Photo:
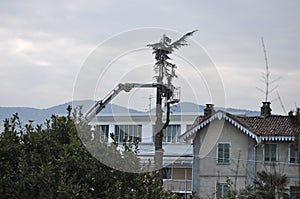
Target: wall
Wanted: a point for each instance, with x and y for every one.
(210, 172)
(282, 166)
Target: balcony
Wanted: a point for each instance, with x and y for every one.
(178, 186)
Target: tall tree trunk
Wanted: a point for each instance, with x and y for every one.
(158, 137)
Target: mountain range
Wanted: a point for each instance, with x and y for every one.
(40, 115)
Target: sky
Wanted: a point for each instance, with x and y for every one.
(53, 51)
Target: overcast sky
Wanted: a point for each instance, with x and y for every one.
(45, 45)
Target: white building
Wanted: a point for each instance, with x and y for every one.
(177, 158)
(226, 145)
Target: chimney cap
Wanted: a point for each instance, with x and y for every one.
(209, 110)
(265, 110)
(266, 103)
(209, 105)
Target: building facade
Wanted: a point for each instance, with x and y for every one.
(177, 159)
(237, 147)
(201, 151)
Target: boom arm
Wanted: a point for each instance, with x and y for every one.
(99, 105)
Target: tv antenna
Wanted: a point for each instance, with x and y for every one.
(279, 98)
(266, 76)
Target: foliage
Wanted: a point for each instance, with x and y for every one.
(294, 117)
(163, 67)
(51, 161)
(271, 185)
(230, 193)
(246, 193)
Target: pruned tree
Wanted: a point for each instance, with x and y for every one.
(165, 72)
(164, 69)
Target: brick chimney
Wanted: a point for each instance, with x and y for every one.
(265, 110)
(209, 110)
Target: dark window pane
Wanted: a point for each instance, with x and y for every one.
(223, 153)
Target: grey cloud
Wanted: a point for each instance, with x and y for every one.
(63, 33)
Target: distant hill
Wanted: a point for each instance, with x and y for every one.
(189, 107)
(40, 115)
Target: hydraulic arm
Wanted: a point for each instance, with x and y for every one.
(99, 105)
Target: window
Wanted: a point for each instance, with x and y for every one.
(171, 133)
(103, 131)
(293, 153)
(182, 173)
(270, 153)
(221, 190)
(223, 153)
(128, 132)
(177, 173)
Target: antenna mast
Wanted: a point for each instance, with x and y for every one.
(279, 98)
(267, 70)
(266, 76)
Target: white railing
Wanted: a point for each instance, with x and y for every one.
(180, 186)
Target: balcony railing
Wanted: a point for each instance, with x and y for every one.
(179, 186)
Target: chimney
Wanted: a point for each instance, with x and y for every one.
(209, 110)
(265, 110)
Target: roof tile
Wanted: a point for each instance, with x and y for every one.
(261, 126)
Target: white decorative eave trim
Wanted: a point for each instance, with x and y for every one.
(242, 128)
(219, 115)
(278, 138)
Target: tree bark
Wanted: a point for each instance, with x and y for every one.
(158, 134)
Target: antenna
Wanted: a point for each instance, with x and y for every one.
(266, 76)
(267, 70)
(279, 98)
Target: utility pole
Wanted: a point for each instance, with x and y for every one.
(165, 71)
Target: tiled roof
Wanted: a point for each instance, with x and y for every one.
(267, 128)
